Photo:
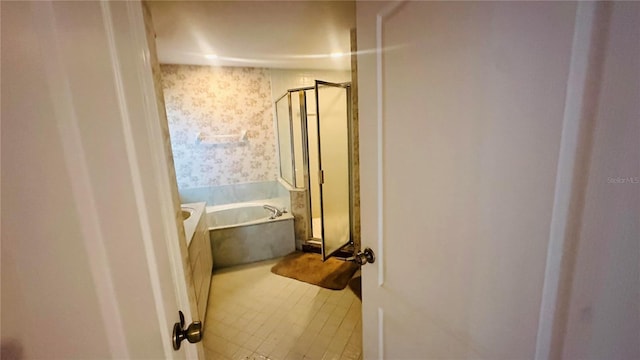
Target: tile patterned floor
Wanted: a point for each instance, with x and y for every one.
(255, 314)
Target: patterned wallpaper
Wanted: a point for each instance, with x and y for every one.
(215, 101)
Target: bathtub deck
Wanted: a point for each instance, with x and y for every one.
(254, 314)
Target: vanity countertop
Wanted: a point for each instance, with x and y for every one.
(190, 224)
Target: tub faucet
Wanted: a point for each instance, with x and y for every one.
(275, 212)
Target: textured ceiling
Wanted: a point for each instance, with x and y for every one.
(278, 34)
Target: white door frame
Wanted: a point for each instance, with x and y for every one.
(571, 176)
(135, 41)
(158, 219)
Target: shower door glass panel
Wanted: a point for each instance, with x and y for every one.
(314, 166)
(296, 127)
(283, 117)
(333, 111)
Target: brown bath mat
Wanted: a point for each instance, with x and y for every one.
(355, 285)
(308, 267)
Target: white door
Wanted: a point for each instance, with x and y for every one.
(91, 265)
(481, 137)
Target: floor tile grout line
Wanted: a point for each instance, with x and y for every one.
(299, 307)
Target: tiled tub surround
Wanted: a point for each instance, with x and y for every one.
(300, 210)
(237, 193)
(243, 233)
(299, 205)
(214, 102)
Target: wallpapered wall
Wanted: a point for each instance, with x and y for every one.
(218, 101)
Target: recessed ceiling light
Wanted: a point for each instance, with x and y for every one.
(211, 56)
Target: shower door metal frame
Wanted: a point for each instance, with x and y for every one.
(348, 129)
(305, 154)
(304, 120)
(304, 127)
(293, 164)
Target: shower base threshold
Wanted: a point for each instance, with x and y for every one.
(314, 246)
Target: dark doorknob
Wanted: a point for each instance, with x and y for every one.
(363, 257)
(193, 333)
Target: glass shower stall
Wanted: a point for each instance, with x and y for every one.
(314, 143)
